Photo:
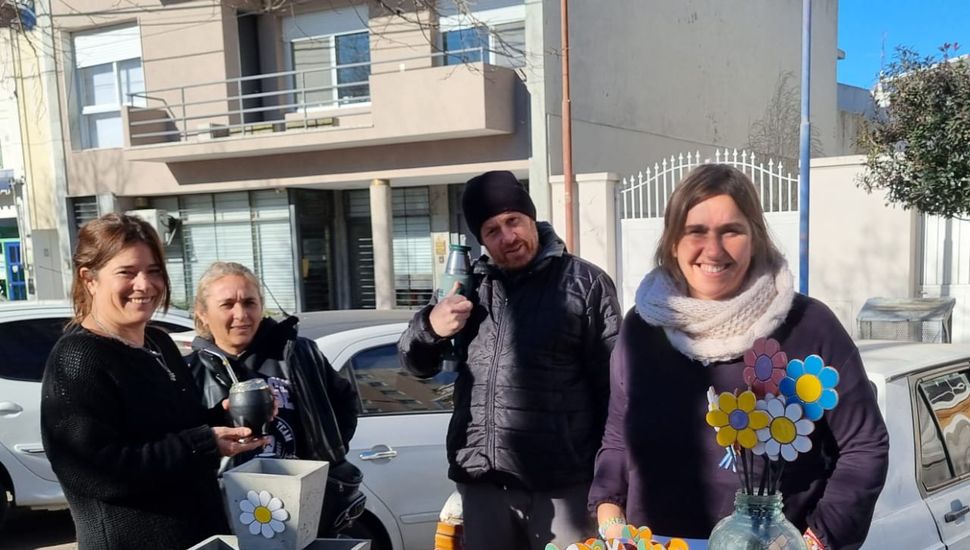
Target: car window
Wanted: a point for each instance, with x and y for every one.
(934, 467)
(25, 345)
(947, 398)
(384, 387)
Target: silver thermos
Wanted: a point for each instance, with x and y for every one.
(458, 269)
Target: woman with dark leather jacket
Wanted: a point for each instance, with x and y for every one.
(316, 408)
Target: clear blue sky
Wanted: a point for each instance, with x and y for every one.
(923, 25)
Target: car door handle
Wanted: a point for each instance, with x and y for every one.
(956, 514)
(9, 409)
(377, 454)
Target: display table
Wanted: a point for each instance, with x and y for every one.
(228, 542)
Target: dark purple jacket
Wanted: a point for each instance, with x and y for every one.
(659, 458)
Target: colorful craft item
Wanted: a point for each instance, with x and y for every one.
(786, 434)
(812, 384)
(737, 419)
(631, 538)
(764, 366)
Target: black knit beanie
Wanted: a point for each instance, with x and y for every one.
(493, 193)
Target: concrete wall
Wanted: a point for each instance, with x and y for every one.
(651, 79)
(859, 247)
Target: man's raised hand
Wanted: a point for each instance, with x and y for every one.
(450, 314)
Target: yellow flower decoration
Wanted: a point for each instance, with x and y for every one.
(737, 420)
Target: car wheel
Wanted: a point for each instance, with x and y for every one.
(369, 528)
(4, 505)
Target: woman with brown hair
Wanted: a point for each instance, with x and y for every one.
(720, 287)
(120, 417)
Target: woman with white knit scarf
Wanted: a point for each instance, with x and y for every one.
(720, 285)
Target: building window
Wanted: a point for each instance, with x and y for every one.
(108, 72)
(413, 261)
(332, 70)
(329, 50)
(498, 34)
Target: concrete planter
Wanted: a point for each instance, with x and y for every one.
(225, 542)
(275, 504)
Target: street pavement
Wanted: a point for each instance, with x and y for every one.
(27, 530)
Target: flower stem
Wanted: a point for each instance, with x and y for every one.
(765, 474)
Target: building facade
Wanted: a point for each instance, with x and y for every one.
(325, 143)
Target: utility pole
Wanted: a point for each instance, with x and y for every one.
(805, 144)
(567, 130)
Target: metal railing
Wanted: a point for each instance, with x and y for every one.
(318, 104)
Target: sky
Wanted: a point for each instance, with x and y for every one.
(923, 25)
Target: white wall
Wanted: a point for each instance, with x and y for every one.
(859, 247)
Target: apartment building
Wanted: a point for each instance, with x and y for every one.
(324, 143)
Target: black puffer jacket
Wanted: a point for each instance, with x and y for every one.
(531, 403)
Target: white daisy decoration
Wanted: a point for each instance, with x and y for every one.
(787, 431)
(263, 514)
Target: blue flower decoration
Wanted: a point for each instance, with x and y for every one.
(812, 384)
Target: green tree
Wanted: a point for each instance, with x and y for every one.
(918, 145)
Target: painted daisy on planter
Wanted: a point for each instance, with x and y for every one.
(812, 384)
(737, 419)
(263, 513)
(787, 432)
(764, 366)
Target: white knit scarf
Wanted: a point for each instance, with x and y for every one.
(716, 330)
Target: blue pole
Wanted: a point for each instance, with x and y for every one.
(805, 146)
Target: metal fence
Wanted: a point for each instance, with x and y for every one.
(646, 194)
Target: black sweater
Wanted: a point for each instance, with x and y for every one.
(131, 448)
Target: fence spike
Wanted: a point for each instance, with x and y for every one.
(744, 156)
(717, 156)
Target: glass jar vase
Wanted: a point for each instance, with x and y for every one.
(756, 524)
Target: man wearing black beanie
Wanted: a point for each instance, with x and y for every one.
(530, 401)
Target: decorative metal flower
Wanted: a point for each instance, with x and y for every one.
(737, 420)
(263, 514)
(787, 431)
(764, 366)
(812, 384)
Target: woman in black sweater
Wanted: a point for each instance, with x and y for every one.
(120, 417)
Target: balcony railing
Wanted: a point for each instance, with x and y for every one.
(240, 106)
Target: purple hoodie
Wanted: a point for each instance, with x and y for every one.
(659, 458)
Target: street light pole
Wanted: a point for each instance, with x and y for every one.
(567, 130)
(805, 146)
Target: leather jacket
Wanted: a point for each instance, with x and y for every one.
(327, 403)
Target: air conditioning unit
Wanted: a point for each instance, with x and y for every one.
(157, 218)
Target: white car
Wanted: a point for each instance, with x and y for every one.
(399, 443)
(400, 440)
(924, 395)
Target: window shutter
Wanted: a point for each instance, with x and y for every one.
(106, 45)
